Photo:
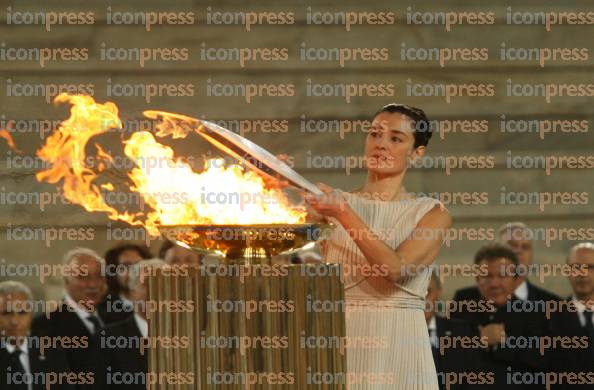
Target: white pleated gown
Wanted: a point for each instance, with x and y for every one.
(388, 344)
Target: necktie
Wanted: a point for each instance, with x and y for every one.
(589, 329)
(97, 324)
(18, 374)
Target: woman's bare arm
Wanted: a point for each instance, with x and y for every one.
(421, 248)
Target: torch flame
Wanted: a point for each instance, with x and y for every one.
(177, 195)
(8, 138)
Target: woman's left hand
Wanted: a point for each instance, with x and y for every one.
(330, 204)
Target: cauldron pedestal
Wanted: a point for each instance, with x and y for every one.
(230, 327)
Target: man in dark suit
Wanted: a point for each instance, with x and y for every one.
(76, 318)
(25, 363)
(455, 345)
(575, 320)
(517, 237)
(125, 341)
(511, 330)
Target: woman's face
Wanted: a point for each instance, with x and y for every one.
(127, 258)
(390, 144)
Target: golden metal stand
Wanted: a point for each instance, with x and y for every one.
(249, 324)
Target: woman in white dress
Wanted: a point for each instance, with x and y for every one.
(386, 240)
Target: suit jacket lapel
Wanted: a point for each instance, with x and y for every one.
(439, 326)
(33, 365)
(136, 332)
(4, 361)
(135, 327)
(37, 363)
(574, 322)
(530, 288)
(73, 322)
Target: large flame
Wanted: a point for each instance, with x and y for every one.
(176, 194)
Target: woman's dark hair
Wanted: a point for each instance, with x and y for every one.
(495, 251)
(112, 260)
(421, 124)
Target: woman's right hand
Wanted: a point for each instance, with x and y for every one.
(330, 204)
(312, 215)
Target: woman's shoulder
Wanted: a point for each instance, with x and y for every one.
(423, 199)
(433, 211)
(409, 199)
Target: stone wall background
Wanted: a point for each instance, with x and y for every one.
(100, 74)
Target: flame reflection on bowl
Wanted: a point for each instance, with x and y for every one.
(247, 244)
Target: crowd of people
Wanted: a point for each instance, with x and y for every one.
(74, 346)
(507, 333)
(504, 332)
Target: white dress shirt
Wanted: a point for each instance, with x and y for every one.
(24, 358)
(522, 291)
(142, 325)
(81, 313)
(581, 308)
